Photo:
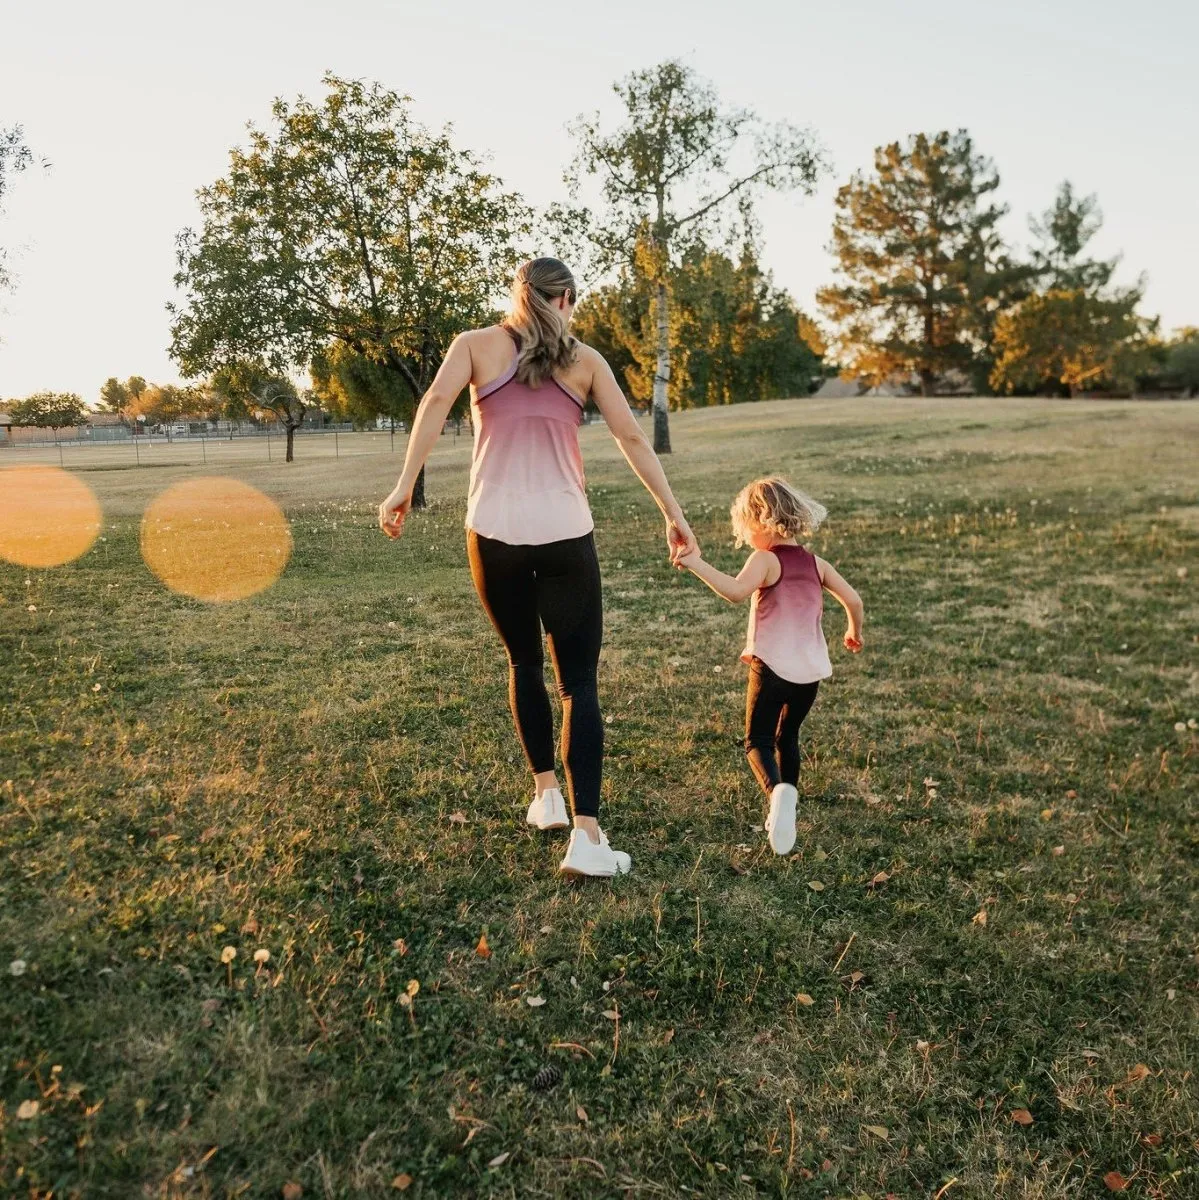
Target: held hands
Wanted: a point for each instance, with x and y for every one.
(392, 512)
(680, 541)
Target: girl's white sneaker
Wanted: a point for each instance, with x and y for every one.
(548, 811)
(585, 857)
(780, 824)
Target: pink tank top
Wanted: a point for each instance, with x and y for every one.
(526, 476)
(784, 620)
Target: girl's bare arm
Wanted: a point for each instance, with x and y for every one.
(761, 569)
(849, 600)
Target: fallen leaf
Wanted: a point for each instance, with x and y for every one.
(292, 1191)
(804, 999)
(534, 1001)
(499, 1159)
(1022, 1116)
(1047, 814)
(210, 1005)
(483, 950)
(1071, 794)
(923, 1046)
(879, 880)
(581, 1113)
(854, 978)
(457, 818)
(402, 1183)
(251, 926)
(413, 987)
(1058, 851)
(668, 1037)
(401, 946)
(1139, 1072)
(980, 918)
(1151, 1139)
(1114, 1181)
(27, 1110)
(879, 1131)
(1090, 1054)
(816, 885)
(612, 1014)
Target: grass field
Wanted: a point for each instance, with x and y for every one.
(287, 773)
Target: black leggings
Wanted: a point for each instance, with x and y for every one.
(774, 710)
(556, 585)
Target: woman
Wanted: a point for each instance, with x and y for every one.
(529, 529)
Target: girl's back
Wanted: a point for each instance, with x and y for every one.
(784, 620)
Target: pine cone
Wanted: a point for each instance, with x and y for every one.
(546, 1078)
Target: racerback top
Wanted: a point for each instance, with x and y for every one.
(527, 486)
(784, 620)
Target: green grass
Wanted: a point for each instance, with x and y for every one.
(282, 773)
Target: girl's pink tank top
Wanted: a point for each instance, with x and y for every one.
(784, 620)
(526, 476)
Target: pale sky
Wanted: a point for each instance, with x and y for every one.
(136, 104)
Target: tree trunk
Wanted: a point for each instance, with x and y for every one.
(291, 438)
(662, 374)
(418, 491)
(927, 382)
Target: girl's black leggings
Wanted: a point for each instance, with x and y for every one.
(557, 586)
(774, 710)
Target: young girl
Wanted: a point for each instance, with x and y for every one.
(785, 647)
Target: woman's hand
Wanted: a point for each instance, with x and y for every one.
(680, 540)
(392, 512)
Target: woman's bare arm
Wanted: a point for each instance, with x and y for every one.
(447, 385)
(639, 454)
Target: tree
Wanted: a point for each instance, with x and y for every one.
(49, 410)
(670, 172)
(346, 223)
(15, 157)
(916, 245)
(1065, 340)
(734, 336)
(1063, 232)
(118, 397)
(1180, 368)
(252, 388)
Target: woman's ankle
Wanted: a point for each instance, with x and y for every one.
(590, 826)
(545, 781)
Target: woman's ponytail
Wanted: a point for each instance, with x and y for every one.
(545, 344)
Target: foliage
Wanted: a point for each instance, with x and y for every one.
(251, 389)
(734, 336)
(15, 157)
(921, 263)
(669, 175)
(1063, 232)
(1182, 361)
(48, 410)
(1071, 340)
(347, 223)
(122, 397)
(280, 773)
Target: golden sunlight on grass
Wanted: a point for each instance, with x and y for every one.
(215, 539)
(47, 516)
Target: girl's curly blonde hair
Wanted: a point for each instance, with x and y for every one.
(773, 506)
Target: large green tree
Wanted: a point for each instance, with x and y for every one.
(1067, 340)
(674, 169)
(346, 222)
(734, 336)
(49, 410)
(918, 256)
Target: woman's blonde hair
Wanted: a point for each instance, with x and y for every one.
(545, 344)
(773, 506)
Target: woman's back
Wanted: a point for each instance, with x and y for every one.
(527, 485)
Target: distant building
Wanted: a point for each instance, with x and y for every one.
(5, 428)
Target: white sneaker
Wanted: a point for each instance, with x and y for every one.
(585, 857)
(548, 811)
(780, 824)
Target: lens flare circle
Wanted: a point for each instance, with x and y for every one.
(48, 517)
(215, 539)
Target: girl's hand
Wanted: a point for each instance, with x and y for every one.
(392, 512)
(680, 540)
(853, 642)
(688, 559)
